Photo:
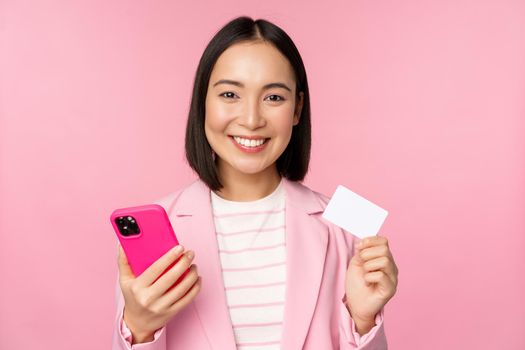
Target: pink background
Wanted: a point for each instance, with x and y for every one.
(417, 105)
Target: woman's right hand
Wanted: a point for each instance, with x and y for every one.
(150, 302)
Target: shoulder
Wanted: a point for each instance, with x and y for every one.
(169, 199)
(315, 204)
(304, 195)
(321, 197)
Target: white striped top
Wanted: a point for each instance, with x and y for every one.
(251, 240)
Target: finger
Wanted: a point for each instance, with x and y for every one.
(178, 291)
(372, 241)
(160, 286)
(159, 266)
(374, 252)
(380, 264)
(379, 261)
(378, 277)
(356, 259)
(357, 244)
(186, 299)
(125, 271)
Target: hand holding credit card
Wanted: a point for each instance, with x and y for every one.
(354, 213)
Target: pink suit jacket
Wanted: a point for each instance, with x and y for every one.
(317, 257)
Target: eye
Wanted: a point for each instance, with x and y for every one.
(227, 92)
(280, 98)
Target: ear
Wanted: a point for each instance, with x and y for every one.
(298, 109)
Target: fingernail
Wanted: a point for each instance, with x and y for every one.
(190, 254)
(178, 249)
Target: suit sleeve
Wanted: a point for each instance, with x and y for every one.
(349, 338)
(122, 337)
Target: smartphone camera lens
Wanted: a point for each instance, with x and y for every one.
(127, 225)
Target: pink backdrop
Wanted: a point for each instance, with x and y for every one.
(417, 105)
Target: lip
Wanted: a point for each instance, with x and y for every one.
(250, 149)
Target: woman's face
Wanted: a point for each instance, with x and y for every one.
(250, 107)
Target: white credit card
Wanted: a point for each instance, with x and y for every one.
(354, 213)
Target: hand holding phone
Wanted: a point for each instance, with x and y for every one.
(157, 280)
(151, 299)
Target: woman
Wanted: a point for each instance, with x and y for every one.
(272, 273)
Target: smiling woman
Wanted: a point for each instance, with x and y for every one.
(250, 84)
(275, 275)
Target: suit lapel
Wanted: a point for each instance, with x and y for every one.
(306, 244)
(196, 229)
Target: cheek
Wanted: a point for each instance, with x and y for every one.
(283, 121)
(217, 117)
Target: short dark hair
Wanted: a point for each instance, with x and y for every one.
(293, 162)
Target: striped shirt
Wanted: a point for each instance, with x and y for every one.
(251, 240)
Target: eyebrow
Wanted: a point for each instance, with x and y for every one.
(239, 84)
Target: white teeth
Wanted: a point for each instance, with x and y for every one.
(248, 143)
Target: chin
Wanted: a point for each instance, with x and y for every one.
(250, 168)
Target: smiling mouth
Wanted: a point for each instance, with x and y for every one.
(247, 142)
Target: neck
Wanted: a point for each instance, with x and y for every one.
(242, 187)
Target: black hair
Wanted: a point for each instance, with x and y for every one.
(293, 162)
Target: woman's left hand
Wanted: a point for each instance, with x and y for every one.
(371, 279)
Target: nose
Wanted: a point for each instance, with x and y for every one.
(251, 116)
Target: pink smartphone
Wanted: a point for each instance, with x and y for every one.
(145, 233)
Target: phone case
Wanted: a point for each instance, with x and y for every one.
(154, 239)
